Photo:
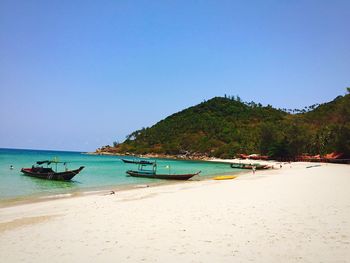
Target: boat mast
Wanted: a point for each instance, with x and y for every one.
(55, 160)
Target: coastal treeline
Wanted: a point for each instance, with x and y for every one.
(226, 126)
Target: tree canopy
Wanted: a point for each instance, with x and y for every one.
(225, 126)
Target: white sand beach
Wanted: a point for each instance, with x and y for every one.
(293, 214)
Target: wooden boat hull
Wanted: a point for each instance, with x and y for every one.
(137, 162)
(49, 174)
(161, 176)
(249, 166)
(241, 166)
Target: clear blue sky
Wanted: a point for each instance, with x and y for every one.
(75, 75)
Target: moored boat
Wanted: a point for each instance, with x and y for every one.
(48, 173)
(250, 166)
(144, 171)
(150, 174)
(137, 161)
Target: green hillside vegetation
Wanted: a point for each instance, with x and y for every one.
(225, 126)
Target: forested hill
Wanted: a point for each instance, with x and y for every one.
(223, 127)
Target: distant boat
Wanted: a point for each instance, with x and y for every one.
(48, 173)
(152, 173)
(249, 166)
(137, 161)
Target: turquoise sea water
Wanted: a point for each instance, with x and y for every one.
(99, 172)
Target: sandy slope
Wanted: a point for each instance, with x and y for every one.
(293, 214)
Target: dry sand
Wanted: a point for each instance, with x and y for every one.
(294, 214)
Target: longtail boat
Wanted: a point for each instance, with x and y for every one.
(152, 173)
(250, 166)
(146, 174)
(48, 173)
(137, 161)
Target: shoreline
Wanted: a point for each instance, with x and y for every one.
(105, 190)
(93, 191)
(200, 157)
(44, 197)
(151, 155)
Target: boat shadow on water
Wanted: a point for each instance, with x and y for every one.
(52, 185)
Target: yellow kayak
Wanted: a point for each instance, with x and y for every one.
(225, 177)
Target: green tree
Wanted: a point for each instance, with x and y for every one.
(279, 150)
(268, 137)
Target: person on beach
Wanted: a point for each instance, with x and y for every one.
(253, 169)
